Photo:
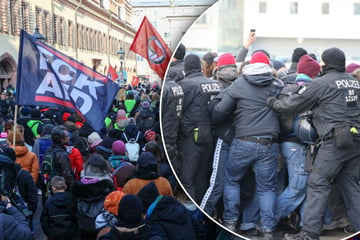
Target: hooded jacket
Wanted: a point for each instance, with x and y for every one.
(169, 219)
(246, 99)
(28, 161)
(58, 219)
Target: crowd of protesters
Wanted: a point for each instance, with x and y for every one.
(110, 184)
(266, 150)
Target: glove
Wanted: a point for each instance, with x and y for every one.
(271, 101)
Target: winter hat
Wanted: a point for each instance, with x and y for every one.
(25, 111)
(118, 147)
(334, 58)
(180, 52)
(47, 129)
(150, 135)
(209, 57)
(148, 194)
(121, 115)
(192, 63)
(94, 139)
(130, 212)
(259, 57)
(112, 200)
(147, 160)
(277, 64)
(226, 59)
(131, 121)
(35, 113)
(307, 65)
(352, 67)
(297, 54)
(145, 104)
(65, 116)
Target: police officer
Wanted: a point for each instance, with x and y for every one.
(334, 100)
(171, 107)
(195, 133)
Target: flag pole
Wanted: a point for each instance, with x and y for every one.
(15, 125)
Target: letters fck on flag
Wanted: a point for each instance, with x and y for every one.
(149, 44)
(47, 77)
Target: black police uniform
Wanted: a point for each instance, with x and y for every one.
(196, 139)
(334, 100)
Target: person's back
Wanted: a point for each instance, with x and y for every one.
(62, 164)
(58, 219)
(147, 171)
(167, 217)
(14, 224)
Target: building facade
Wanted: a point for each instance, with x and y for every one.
(90, 31)
(281, 26)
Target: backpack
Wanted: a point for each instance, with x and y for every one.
(86, 213)
(35, 126)
(113, 174)
(18, 201)
(44, 144)
(132, 147)
(48, 169)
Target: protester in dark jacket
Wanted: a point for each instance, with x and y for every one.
(60, 138)
(130, 223)
(14, 225)
(167, 217)
(58, 219)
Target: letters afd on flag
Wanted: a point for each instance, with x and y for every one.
(47, 77)
(149, 44)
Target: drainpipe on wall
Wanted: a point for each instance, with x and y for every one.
(76, 31)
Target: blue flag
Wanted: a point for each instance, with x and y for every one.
(47, 77)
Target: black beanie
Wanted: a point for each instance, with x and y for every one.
(148, 195)
(192, 63)
(180, 52)
(297, 54)
(334, 58)
(130, 212)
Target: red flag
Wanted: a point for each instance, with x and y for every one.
(149, 44)
(112, 73)
(135, 81)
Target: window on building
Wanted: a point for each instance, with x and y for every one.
(325, 8)
(293, 8)
(262, 7)
(4, 24)
(356, 8)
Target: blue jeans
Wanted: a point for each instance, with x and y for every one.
(294, 194)
(264, 160)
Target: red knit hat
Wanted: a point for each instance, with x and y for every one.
(226, 59)
(307, 65)
(259, 57)
(352, 67)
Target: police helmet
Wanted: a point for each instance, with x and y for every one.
(304, 130)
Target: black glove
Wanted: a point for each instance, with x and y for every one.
(271, 101)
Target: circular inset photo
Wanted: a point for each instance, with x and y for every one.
(257, 117)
